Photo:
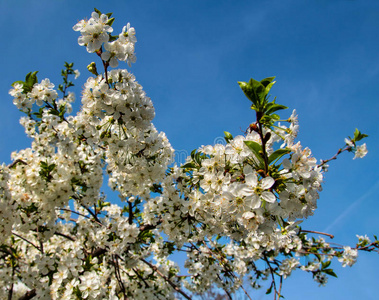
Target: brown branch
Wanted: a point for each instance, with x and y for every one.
(140, 277)
(272, 272)
(29, 242)
(64, 235)
(92, 213)
(130, 219)
(323, 162)
(28, 295)
(173, 285)
(118, 276)
(16, 162)
(318, 232)
(247, 295)
(280, 286)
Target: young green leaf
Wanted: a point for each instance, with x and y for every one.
(277, 154)
(329, 272)
(358, 135)
(257, 150)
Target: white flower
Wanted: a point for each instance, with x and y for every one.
(361, 151)
(349, 256)
(260, 189)
(77, 74)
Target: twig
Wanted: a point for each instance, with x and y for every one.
(64, 235)
(272, 272)
(29, 242)
(323, 162)
(130, 219)
(118, 276)
(280, 286)
(16, 162)
(28, 295)
(318, 232)
(91, 213)
(174, 286)
(140, 277)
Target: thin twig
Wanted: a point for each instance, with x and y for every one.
(174, 286)
(318, 232)
(91, 213)
(280, 286)
(29, 242)
(140, 277)
(323, 162)
(272, 272)
(16, 162)
(64, 235)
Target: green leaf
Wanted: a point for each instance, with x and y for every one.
(269, 290)
(358, 135)
(18, 81)
(273, 107)
(329, 272)
(259, 88)
(268, 81)
(326, 264)
(254, 146)
(277, 154)
(228, 136)
(257, 150)
(254, 91)
(189, 165)
(248, 91)
(31, 78)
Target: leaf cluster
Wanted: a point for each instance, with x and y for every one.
(30, 80)
(258, 93)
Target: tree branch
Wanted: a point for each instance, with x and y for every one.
(174, 286)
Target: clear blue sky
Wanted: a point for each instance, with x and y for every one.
(190, 55)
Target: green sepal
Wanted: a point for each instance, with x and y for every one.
(110, 21)
(97, 11)
(112, 38)
(277, 154)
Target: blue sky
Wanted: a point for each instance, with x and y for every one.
(190, 55)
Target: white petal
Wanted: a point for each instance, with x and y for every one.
(251, 180)
(256, 202)
(269, 197)
(267, 182)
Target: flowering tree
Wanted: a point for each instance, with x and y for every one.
(235, 209)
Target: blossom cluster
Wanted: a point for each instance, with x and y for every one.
(228, 207)
(96, 31)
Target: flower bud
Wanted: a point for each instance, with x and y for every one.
(92, 68)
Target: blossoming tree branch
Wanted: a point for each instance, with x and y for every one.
(235, 209)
